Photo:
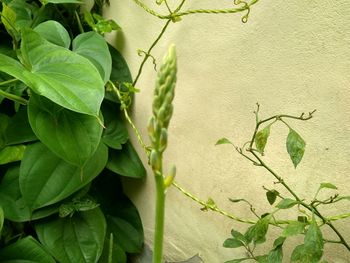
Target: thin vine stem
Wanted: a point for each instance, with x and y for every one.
(147, 54)
(13, 97)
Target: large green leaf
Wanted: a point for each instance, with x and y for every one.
(94, 47)
(76, 239)
(46, 179)
(295, 147)
(26, 250)
(72, 136)
(12, 202)
(62, 76)
(123, 219)
(18, 130)
(120, 72)
(54, 32)
(115, 133)
(126, 162)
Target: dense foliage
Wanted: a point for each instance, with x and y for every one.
(63, 142)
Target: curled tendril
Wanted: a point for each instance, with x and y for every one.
(141, 52)
(246, 6)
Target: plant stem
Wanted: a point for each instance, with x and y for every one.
(147, 54)
(159, 220)
(6, 82)
(13, 97)
(81, 29)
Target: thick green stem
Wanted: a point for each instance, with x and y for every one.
(13, 97)
(159, 220)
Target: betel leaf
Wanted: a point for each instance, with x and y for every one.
(115, 134)
(126, 162)
(223, 141)
(54, 32)
(120, 72)
(11, 154)
(18, 130)
(328, 185)
(72, 136)
(12, 202)
(286, 203)
(79, 238)
(271, 196)
(293, 228)
(94, 47)
(59, 74)
(261, 139)
(123, 219)
(46, 179)
(312, 249)
(26, 250)
(295, 147)
(232, 243)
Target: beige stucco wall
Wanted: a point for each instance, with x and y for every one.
(292, 56)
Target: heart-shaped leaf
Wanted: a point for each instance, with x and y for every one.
(72, 136)
(62, 76)
(94, 47)
(54, 32)
(46, 179)
(74, 239)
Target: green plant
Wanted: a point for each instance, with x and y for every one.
(309, 220)
(63, 142)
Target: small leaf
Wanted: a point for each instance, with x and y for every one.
(237, 235)
(262, 259)
(25, 250)
(271, 196)
(295, 147)
(328, 185)
(11, 154)
(126, 162)
(286, 203)
(257, 232)
(233, 243)
(223, 141)
(294, 228)
(261, 139)
(302, 219)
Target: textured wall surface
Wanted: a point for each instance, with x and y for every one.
(292, 56)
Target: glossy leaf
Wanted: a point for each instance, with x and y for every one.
(93, 46)
(126, 162)
(286, 203)
(12, 202)
(261, 139)
(295, 147)
(54, 32)
(123, 219)
(74, 239)
(120, 72)
(46, 179)
(294, 228)
(11, 154)
(18, 130)
(72, 136)
(271, 196)
(115, 134)
(60, 75)
(223, 141)
(328, 185)
(26, 250)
